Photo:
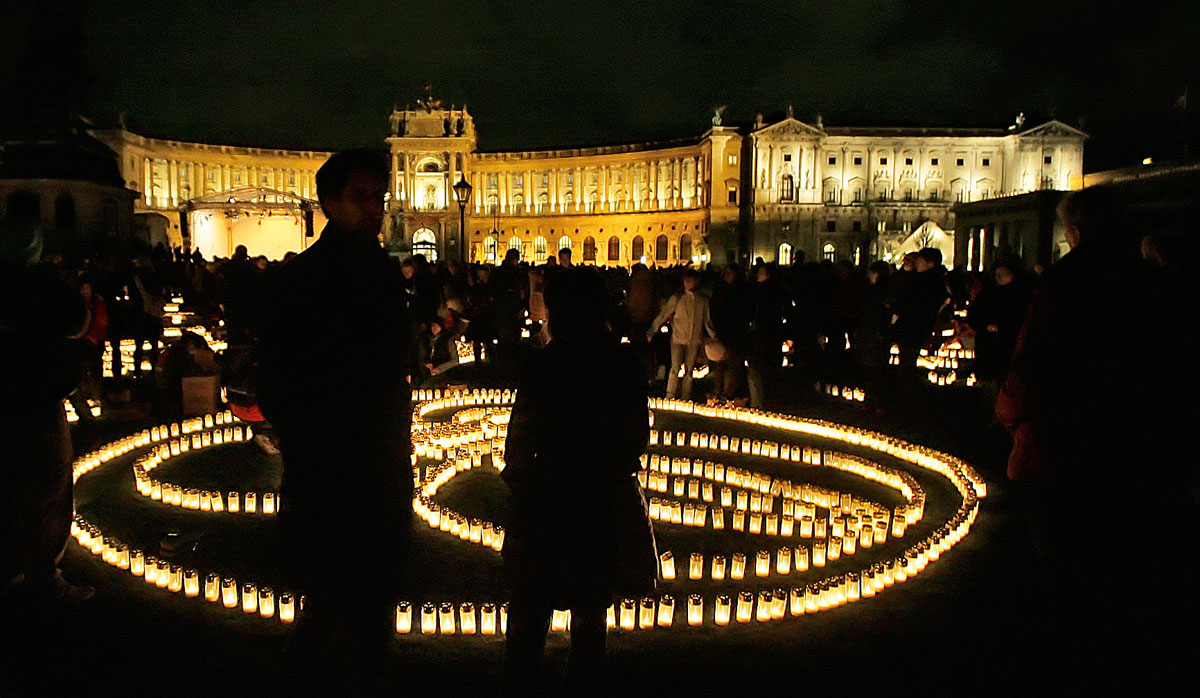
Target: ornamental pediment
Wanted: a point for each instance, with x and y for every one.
(787, 129)
(1055, 129)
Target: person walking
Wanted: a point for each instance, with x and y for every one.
(691, 322)
(576, 434)
(334, 358)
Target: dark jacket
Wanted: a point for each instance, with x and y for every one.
(1084, 394)
(578, 531)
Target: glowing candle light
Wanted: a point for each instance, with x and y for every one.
(266, 602)
(739, 519)
(646, 614)
(762, 563)
(666, 611)
(175, 579)
(833, 550)
(466, 618)
(446, 618)
(229, 592)
(428, 619)
(137, 563)
(268, 503)
(667, 565)
(718, 519)
(783, 560)
(696, 566)
(628, 614)
(737, 568)
(403, 616)
(818, 554)
(721, 608)
(287, 608)
(232, 499)
(806, 526)
(249, 598)
(726, 497)
(695, 609)
(487, 619)
(718, 567)
(251, 503)
(796, 601)
(745, 607)
(766, 600)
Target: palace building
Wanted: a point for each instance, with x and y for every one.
(770, 190)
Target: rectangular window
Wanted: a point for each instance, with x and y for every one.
(1048, 159)
(933, 194)
(933, 162)
(519, 180)
(958, 196)
(959, 162)
(832, 160)
(545, 180)
(831, 226)
(492, 179)
(907, 161)
(857, 161)
(732, 160)
(787, 157)
(732, 195)
(570, 178)
(857, 195)
(882, 161)
(987, 162)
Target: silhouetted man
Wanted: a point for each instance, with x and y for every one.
(334, 358)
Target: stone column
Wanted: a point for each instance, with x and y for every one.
(147, 185)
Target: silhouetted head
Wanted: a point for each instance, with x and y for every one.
(350, 187)
(1092, 216)
(564, 256)
(928, 258)
(690, 279)
(240, 253)
(512, 256)
(577, 301)
(878, 272)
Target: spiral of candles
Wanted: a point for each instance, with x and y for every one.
(809, 527)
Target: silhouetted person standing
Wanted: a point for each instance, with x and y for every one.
(40, 364)
(575, 436)
(334, 356)
(1094, 426)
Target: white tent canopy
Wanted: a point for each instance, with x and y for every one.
(928, 234)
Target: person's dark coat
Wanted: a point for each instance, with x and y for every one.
(919, 299)
(1084, 394)
(578, 531)
(1004, 307)
(333, 364)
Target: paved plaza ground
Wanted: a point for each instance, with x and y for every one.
(964, 627)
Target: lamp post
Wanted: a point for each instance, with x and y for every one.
(462, 194)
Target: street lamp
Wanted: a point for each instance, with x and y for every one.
(462, 194)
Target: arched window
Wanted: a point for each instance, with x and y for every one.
(543, 202)
(539, 250)
(638, 249)
(614, 249)
(425, 243)
(661, 247)
(518, 203)
(514, 243)
(430, 166)
(787, 188)
(685, 247)
(492, 203)
(489, 249)
(829, 252)
(589, 249)
(784, 258)
(564, 243)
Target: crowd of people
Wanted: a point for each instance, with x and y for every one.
(326, 345)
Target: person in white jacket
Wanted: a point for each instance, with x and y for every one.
(688, 313)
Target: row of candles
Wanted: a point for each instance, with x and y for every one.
(836, 590)
(845, 392)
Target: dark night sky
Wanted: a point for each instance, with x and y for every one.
(545, 74)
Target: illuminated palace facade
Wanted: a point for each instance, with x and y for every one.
(766, 190)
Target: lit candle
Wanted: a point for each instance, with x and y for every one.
(721, 609)
(628, 614)
(667, 565)
(446, 618)
(403, 615)
(487, 619)
(266, 602)
(745, 607)
(229, 592)
(718, 567)
(696, 566)
(737, 568)
(466, 618)
(428, 619)
(695, 609)
(287, 608)
(766, 601)
(762, 563)
(646, 614)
